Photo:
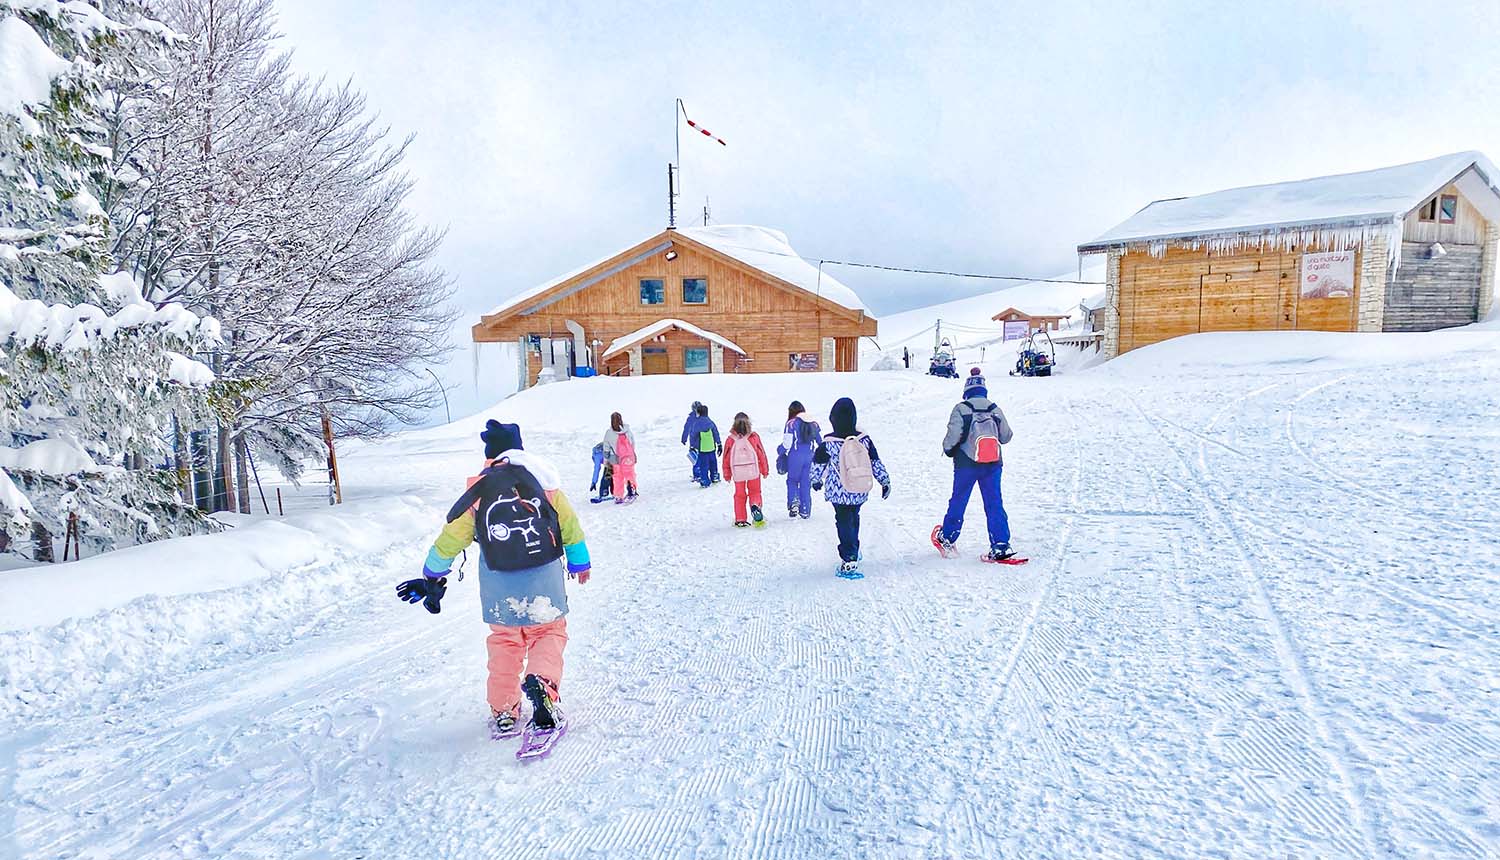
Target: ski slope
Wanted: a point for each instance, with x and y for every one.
(1261, 619)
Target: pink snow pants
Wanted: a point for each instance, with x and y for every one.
(534, 650)
(624, 473)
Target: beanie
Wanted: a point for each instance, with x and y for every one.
(499, 438)
(974, 385)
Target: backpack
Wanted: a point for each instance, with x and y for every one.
(981, 438)
(744, 465)
(624, 449)
(807, 432)
(514, 524)
(855, 472)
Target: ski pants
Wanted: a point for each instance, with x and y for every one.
(624, 474)
(519, 651)
(745, 491)
(846, 520)
(706, 467)
(799, 480)
(987, 476)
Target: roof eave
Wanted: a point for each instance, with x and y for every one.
(1099, 246)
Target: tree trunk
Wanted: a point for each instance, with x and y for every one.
(41, 543)
(181, 460)
(4, 540)
(223, 475)
(203, 477)
(242, 472)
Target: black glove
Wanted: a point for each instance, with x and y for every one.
(429, 592)
(817, 487)
(885, 491)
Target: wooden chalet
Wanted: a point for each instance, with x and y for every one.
(1037, 322)
(720, 299)
(1405, 248)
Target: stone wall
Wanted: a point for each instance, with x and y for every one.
(1112, 304)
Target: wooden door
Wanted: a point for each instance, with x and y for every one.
(1239, 301)
(654, 361)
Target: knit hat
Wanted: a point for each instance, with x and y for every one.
(974, 385)
(843, 417)
(499, 438)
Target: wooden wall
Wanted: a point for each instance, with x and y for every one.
(675, 342)
(1433, 292)
(1467, 228)
(1188, 291)
(766, 321)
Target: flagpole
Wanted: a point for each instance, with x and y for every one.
(677, 139)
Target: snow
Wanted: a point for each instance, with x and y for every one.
(761, 247)
(27, 69)
(656, 328)
(76, 327)
(1340, 209)
(768, 250)
(1261, 618)
(59, 455)
(12, 500)
(188, 371)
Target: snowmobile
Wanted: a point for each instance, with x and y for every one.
(943, 363)
(1034, 357)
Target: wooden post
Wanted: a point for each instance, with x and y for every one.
(280, 511)
(335, 488)
(256, 472)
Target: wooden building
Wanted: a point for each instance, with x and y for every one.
(1035, 322)
(720, 299)
(1405, 248)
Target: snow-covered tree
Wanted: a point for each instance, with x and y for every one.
(91, 374)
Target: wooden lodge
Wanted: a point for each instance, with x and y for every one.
(720, 299)
(1405, 248)
(1035, 322)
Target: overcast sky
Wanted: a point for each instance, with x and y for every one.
(962, 136)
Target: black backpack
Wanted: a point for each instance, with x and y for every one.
(515, 525)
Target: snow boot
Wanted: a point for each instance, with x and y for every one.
(792, 512)
(741, 524)
(757, 517)
(504, 725)
(849, 570)
(999, 552)
(544, 711)
(944, 546)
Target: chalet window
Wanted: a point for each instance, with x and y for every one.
(653, 291)
(695, 360)
(1428, 212)
(1448, 209)
(695, 291)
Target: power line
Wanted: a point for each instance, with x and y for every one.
(979, 275)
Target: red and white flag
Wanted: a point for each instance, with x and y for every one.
(698, 128)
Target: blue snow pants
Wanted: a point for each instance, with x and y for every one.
(987, 476)
(703, 467)
(799, 480)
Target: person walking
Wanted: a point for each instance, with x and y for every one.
(745, 464)
(619, 452)
(794, 456)
(701, 434)
(976, 430)
(692, 450)
(848, 465)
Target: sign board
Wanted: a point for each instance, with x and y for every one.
(802, 361)
(1328, 275)
(1016, 329)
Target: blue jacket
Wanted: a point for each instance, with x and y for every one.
(695, 427)
(825, 471)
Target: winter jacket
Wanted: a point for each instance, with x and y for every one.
(611, 437)
(792, 430)
(825, 470)
(753, 440)
(519, 598)
(692, 433)
(954, 441)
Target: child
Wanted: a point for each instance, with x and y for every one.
(702, 435)
(529, 539)
(976, 430)
(603, 480)
(849, 473)
(619, 452)
(798, 441)
(745, 464)
(692, 450)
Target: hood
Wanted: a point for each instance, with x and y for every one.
(844, 418)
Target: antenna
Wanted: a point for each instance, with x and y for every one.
(674, 170)
(672, 191)
(706, 211)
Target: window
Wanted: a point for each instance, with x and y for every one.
(653, 291)
(695, 360)
(695, 291)
(1428, 212)
(1448, 209)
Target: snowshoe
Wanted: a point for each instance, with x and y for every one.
(547, 724)
(793, 513)
(945, 548)
(504, 725)
(1002, 554)
(849, 570)
(757, 517)
(741, 524)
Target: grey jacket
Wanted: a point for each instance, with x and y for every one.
(964, 454)
(611, 440)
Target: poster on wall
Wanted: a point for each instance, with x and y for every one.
(1016, 329)
(802, 361)
(1328, 275)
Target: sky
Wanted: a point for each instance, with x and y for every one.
(983, 137)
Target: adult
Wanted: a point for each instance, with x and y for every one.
(619, 452)
(799, 441)
(976, 430)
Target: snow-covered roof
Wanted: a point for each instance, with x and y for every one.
(1350, 199)
(627, 341)
(769, 251)
(758, 247)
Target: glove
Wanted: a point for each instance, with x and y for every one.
(885, 491)
(817, 487)
(429, 592)
(582, 575)
(593, 487)
(781, 466)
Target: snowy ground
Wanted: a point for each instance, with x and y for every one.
(1261, 620)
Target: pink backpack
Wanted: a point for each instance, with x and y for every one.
(744, 465)
(624, 450)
